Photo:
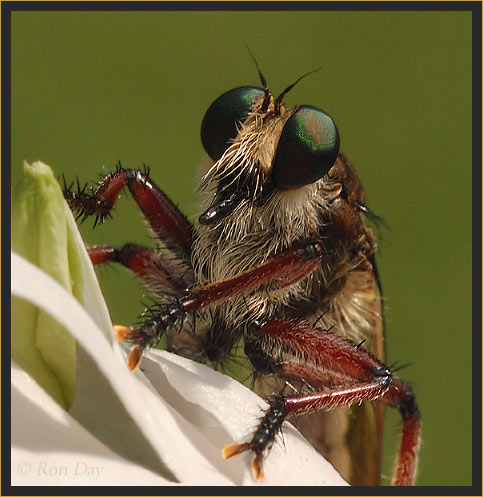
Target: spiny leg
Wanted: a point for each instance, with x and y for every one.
(343, 373)
(263, 438)
(154, 267)
(160, 273)
(168, 223)
(283, 406)
(157, 272)
(285, 269)
(281, 271)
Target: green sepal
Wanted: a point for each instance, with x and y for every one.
(43, 233)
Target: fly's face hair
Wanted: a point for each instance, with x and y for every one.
(258, 175)
(282, 261)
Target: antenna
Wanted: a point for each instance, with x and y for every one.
(266, 98)
(279, 99)
(262, 77)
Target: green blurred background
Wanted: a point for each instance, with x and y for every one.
(91, 88)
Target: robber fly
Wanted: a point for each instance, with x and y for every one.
(282, 260)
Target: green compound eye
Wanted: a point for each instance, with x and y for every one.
(307, 148)
(220, 123)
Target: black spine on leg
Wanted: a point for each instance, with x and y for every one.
(270, 425)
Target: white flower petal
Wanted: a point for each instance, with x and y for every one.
(50, 448)
(210, 409)
(227, 412)
(92, 296)
(154, 421)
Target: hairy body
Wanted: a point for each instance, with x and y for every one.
(281, 244)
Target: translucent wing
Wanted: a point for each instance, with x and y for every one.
(351, 438)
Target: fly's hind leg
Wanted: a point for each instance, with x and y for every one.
(342, 374)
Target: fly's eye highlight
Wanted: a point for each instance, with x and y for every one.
(220, 123)
(307, 148)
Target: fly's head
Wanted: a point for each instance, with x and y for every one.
(269, 165)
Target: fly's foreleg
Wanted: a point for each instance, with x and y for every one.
(167, 272)
(164, 218)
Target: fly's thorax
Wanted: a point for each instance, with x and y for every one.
(226, 251)
(252, 235)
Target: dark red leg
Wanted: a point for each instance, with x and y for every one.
(399, 395)
(150, 265)
(342, 374)
(288, 267)
(164, 218)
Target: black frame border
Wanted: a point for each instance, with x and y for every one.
(7, 7)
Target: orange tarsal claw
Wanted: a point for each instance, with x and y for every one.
(134, 358)
(235, 450)
(257, 463)
(123, 333)
(257, 467)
